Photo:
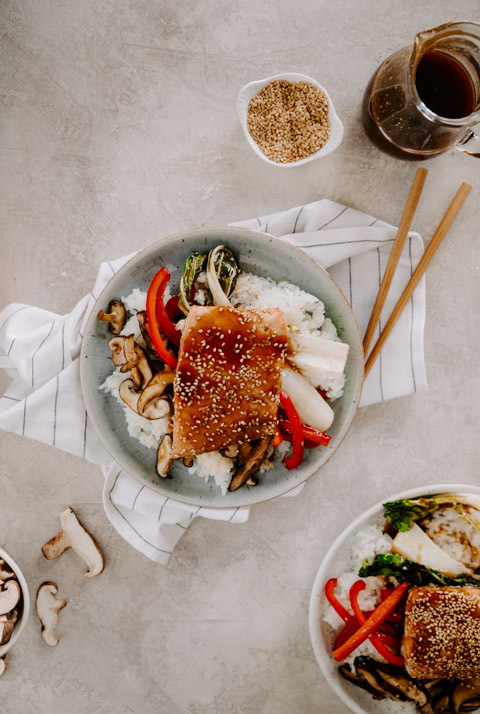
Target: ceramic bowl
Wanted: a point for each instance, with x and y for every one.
(258, 253)
(337, 561)
(252, 88)
(22, 621)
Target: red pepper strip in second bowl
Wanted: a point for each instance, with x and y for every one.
(375, 638)
(342, 612)
(372, 623)
(157, 287)
(296, 429)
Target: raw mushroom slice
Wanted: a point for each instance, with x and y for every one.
(10, 616)
(73, 535)
(9, 596)
(48, 608)
(6, 629)
(115, 317)
(5, 571)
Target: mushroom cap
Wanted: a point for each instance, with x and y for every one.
(9, 596)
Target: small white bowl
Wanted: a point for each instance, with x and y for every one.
(252, 88)
(20, 624)
(337, 561)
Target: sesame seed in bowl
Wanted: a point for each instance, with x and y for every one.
(289, 119)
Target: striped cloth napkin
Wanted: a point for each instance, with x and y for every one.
(41, 350)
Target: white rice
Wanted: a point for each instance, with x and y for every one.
(303, 312)
(215, 465)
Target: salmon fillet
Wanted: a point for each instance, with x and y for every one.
(228, 377)
(442, 632)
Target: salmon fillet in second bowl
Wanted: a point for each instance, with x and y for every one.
(228, 378)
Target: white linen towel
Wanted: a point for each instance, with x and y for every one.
(41, 350)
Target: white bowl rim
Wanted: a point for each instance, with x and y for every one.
(293, 77)
(321, 655)
(218, 228)
(20, 626)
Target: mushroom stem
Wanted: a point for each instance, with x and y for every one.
(74, 535)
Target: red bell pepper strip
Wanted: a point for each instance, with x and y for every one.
(314, 436)
(165, 324)
(156, 290)
(330, 586)
(378, 640)
(372, 623)
(171, 308)
(291, 462)
(307, 444)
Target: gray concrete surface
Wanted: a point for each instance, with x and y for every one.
(118, 125)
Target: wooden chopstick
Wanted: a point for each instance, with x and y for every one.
(439, 235)
(399, 242)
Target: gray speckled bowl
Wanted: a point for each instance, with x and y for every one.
(258, 253)
(338, 560)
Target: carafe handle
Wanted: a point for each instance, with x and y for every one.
(470, 144)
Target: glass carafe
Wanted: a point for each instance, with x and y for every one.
(423, 100)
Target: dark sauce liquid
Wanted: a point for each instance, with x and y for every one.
(444, 86)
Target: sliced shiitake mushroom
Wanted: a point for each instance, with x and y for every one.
(348, 674)
(131, 358)
(115, 316)
(465, 697)
(129, 395)
(117, 345)
(393, 681)
(164, 456)
(250, 463)
(154, 389)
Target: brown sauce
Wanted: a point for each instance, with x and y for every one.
(444, 85)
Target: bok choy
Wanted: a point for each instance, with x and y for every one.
(222, 274)
(191, 270)
(401, 514)
(405, 570)
(222, 271)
